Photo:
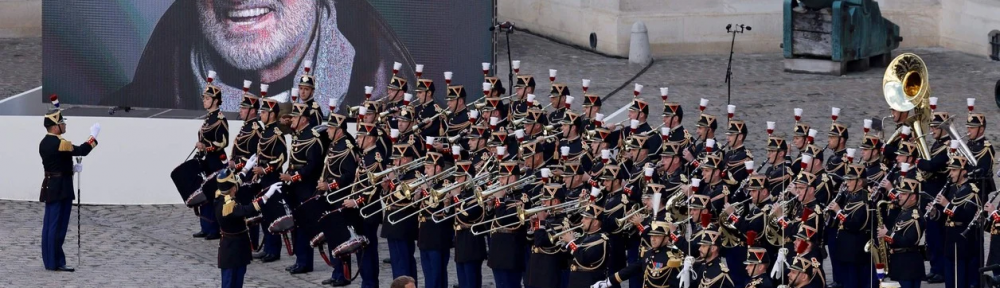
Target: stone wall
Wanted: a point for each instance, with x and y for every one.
(698, 27)
(20, 18)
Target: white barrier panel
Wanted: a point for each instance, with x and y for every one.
(131, 164)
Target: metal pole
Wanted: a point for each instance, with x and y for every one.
(729, 69)
(79, 210)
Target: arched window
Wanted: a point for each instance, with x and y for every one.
(995, 45)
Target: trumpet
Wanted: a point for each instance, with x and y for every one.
(444, 112)
(480, 197)
(436, 196)
(554, 237)
(656, 130)
(624, 222)
(406, 190)
(521, 214)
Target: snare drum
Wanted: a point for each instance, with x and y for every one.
(350, 246)
(276, 214)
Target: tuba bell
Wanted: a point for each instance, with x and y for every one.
(906, 87)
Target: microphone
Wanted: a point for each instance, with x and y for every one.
(506, 25)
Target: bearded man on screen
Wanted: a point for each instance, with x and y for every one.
(266, 41)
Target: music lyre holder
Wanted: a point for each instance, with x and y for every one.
(732, 29)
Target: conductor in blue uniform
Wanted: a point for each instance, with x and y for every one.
(57, 187)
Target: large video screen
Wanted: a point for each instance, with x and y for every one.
(157, 53)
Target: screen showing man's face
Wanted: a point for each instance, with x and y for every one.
(256, 34)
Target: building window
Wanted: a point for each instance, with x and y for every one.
(995, 45)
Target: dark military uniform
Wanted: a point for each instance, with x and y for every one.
(714, 273)
(801, 130)
(245, 146)
(519, 107)
(558, 91)
(780, 174)
(214, 134)
(547, 260)
(936, 172)
(374, 159)
(313, 111)
(271, 151)
(588, 254)
(511, 241)
(339, 170)
(57, 188)
(983, 151)
(659, 267)
(906, 261)
(854, 229)
(435, 239)
(401, 236)
(808, 273)
(305, 167)
(964, 204)
(470, 250)
(235, 247)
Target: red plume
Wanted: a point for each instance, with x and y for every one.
(801, 247)
(879, 265)
(751, 238)
(53, 97)
(806, 212)
(706, 218)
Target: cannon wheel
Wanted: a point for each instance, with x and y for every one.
(996, 93)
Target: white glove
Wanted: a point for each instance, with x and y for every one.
(779, 265)
(602, 284)
(95, 129)
(276, 187)
(78, 168)
(250, 164)
(687, 273)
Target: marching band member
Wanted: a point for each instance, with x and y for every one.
(213, 138)
(836, 164)
(401, 236)
(900, 118)
(307, 88)
(757, 262)
(245, 147)
(374, 159)
(800, 139)
(557, 97)
(854, 226)
(458, 119)
(339, 169)
(706, 130)
(659, 268)
(547, 260)
(957, 206)
(779, 173)
(396, 89)
(673, 114)
(428, 110)
(511, 241)
(470, 250)
(906, 259)
(304, 169)
(714, 272)
(588, 252)
(271, 150)
(57, 187)
(755, 213)
(805, 273)
(937, 169)
(591, 106)
(736, 154)
(983, 151)
(435, 239)
(525, 85)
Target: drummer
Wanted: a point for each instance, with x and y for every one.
(213, 138)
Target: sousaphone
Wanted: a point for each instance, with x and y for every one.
(906, 87)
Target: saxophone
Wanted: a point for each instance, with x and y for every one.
(880, 251)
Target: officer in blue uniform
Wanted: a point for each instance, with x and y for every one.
(957, 206)
(271, 157)
(234, 248)
(244, 147)
(213, 138)
(304, 170)
(937, 176)
(713, 272)
(57, 188)
(906, 259)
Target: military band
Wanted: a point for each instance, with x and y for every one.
(549, 197)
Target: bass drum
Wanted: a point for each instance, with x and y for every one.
(188, 178)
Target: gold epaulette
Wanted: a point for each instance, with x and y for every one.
(229, 206)
(65, 145)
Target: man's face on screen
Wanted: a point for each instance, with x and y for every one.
(255, 34)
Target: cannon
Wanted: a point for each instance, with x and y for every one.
(836, 36)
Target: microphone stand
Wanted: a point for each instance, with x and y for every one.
(729, 70)
(79, 209)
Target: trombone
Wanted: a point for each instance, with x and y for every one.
(521, 214)
(962, 147)
(405, 191)
(372, 178)
(436, 196)
(480, 197)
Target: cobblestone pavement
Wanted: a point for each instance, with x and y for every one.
(129, 246)
(22, 62)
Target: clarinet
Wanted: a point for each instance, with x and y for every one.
(935, 203)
